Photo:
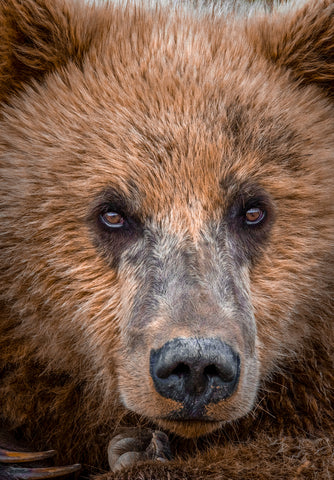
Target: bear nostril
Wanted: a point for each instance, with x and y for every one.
(195, 370)
(181, 369)
(165, 370)
(226, 374)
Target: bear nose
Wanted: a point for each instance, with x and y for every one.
(195, 370)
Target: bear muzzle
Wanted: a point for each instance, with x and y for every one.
(195, 372)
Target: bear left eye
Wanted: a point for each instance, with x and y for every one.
(254, 216)
(112, 219)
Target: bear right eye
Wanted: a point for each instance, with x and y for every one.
(254, 216)
(112, 220)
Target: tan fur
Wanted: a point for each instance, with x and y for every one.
(179, 112)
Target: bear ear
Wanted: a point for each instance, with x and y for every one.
(38, 37)
(301, 41)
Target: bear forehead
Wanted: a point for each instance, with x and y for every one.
(174, 112)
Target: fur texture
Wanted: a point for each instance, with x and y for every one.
(175, 119)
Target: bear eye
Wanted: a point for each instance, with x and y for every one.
(254, 216)
(112, 219)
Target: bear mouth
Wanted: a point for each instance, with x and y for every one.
(190, 420)
(189, 413)
(189, 427)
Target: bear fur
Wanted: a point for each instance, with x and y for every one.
(174, 118)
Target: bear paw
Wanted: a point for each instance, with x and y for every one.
(133, 445)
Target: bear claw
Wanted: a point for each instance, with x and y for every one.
(133, 445)
(7, 456)
(31, 473)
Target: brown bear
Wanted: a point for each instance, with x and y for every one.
(166, 240)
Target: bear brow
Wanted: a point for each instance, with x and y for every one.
(126, 203)
(233, 187)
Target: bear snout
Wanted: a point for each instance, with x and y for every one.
(195, 372)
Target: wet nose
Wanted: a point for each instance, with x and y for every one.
(200, 370)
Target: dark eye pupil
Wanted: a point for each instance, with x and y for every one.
(112, 219)
(254, 215)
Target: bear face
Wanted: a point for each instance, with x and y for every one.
(164, 197)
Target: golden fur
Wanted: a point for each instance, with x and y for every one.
(179, 112)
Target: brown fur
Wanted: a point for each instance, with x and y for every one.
(180, 114)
